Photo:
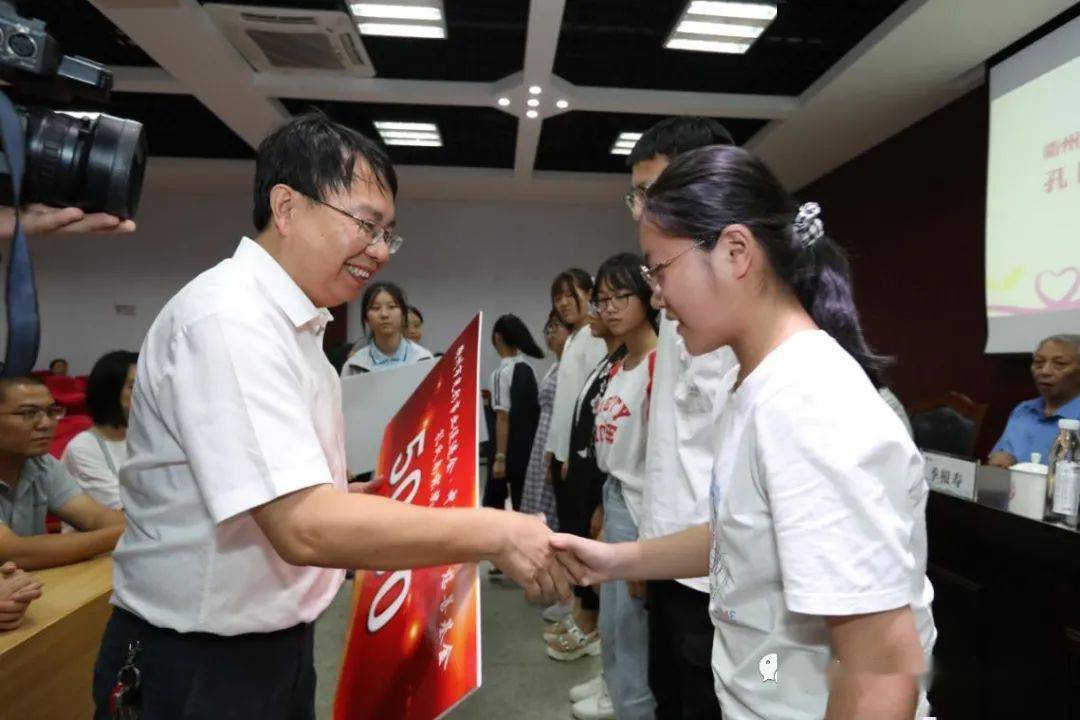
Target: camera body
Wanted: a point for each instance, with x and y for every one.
(89, 160)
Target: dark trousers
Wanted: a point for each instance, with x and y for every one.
(574, 505)
(680, 652)
(198, 676)
(496, 491)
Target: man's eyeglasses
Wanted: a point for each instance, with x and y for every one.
(617, 303)
(652, 274)
(374, 233)
(34, 415)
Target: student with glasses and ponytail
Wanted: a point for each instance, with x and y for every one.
(622, 298)
(579, 495)
(816, 550)
(515, 400)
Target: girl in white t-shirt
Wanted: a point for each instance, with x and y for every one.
(622, 298)
(816, 550)
(94, 456)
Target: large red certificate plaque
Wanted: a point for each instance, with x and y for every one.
(413, 649)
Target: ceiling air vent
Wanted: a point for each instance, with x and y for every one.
(286, 40)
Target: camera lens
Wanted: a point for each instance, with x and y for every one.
(93, 162)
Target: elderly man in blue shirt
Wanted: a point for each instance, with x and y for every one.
(1033, 424)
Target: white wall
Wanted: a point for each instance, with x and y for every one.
(459, 257)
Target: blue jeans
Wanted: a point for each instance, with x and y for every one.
(624, 624)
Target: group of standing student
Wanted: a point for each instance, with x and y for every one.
(756, 499)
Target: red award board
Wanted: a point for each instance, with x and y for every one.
(413, 649)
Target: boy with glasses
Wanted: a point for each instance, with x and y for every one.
(33, 483)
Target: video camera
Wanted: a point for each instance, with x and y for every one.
(89, 160)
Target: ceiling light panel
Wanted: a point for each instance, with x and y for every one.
(624, 144)
(720, 27)
(413, 134)
(401, 18)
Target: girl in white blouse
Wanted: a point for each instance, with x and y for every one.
(570, 297)
(94, 456)
(816, 551)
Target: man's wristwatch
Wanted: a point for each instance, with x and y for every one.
(500, 457)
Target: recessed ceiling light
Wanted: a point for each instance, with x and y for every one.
(562, 104)
(624, 144)
(394, 125)
(720, 27)
(535, 90)
(731, 30)
(715, 46)
(394, 11)
(532, 114)
(745, 10)
(532, 102)
(403, 30)
(415, 134)
(504, 101)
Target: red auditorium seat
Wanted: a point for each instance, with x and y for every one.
(66, 429)
(75, 402)
(62, 384)
(69, 392)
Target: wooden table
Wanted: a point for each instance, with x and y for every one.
(47, 664)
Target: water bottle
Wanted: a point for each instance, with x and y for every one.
(1063, 480)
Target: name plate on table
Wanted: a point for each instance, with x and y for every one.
(951, 475)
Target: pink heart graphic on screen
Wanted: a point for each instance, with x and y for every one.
(1057, 288)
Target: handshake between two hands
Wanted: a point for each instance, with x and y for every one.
(548, 564)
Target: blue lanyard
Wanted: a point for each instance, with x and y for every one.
(24, 329)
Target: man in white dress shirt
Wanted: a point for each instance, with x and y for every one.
(235, 488)
(688, 395)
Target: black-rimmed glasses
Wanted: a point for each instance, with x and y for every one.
(616, 303)
(375, 233)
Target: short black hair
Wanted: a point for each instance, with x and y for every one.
(7, 382)
(673, 136)
(390, 289)
(52, 363)
(313, 154)
(104, 386)
(623, 272)
(415, 311)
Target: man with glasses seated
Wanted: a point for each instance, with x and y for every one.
(33, 483)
